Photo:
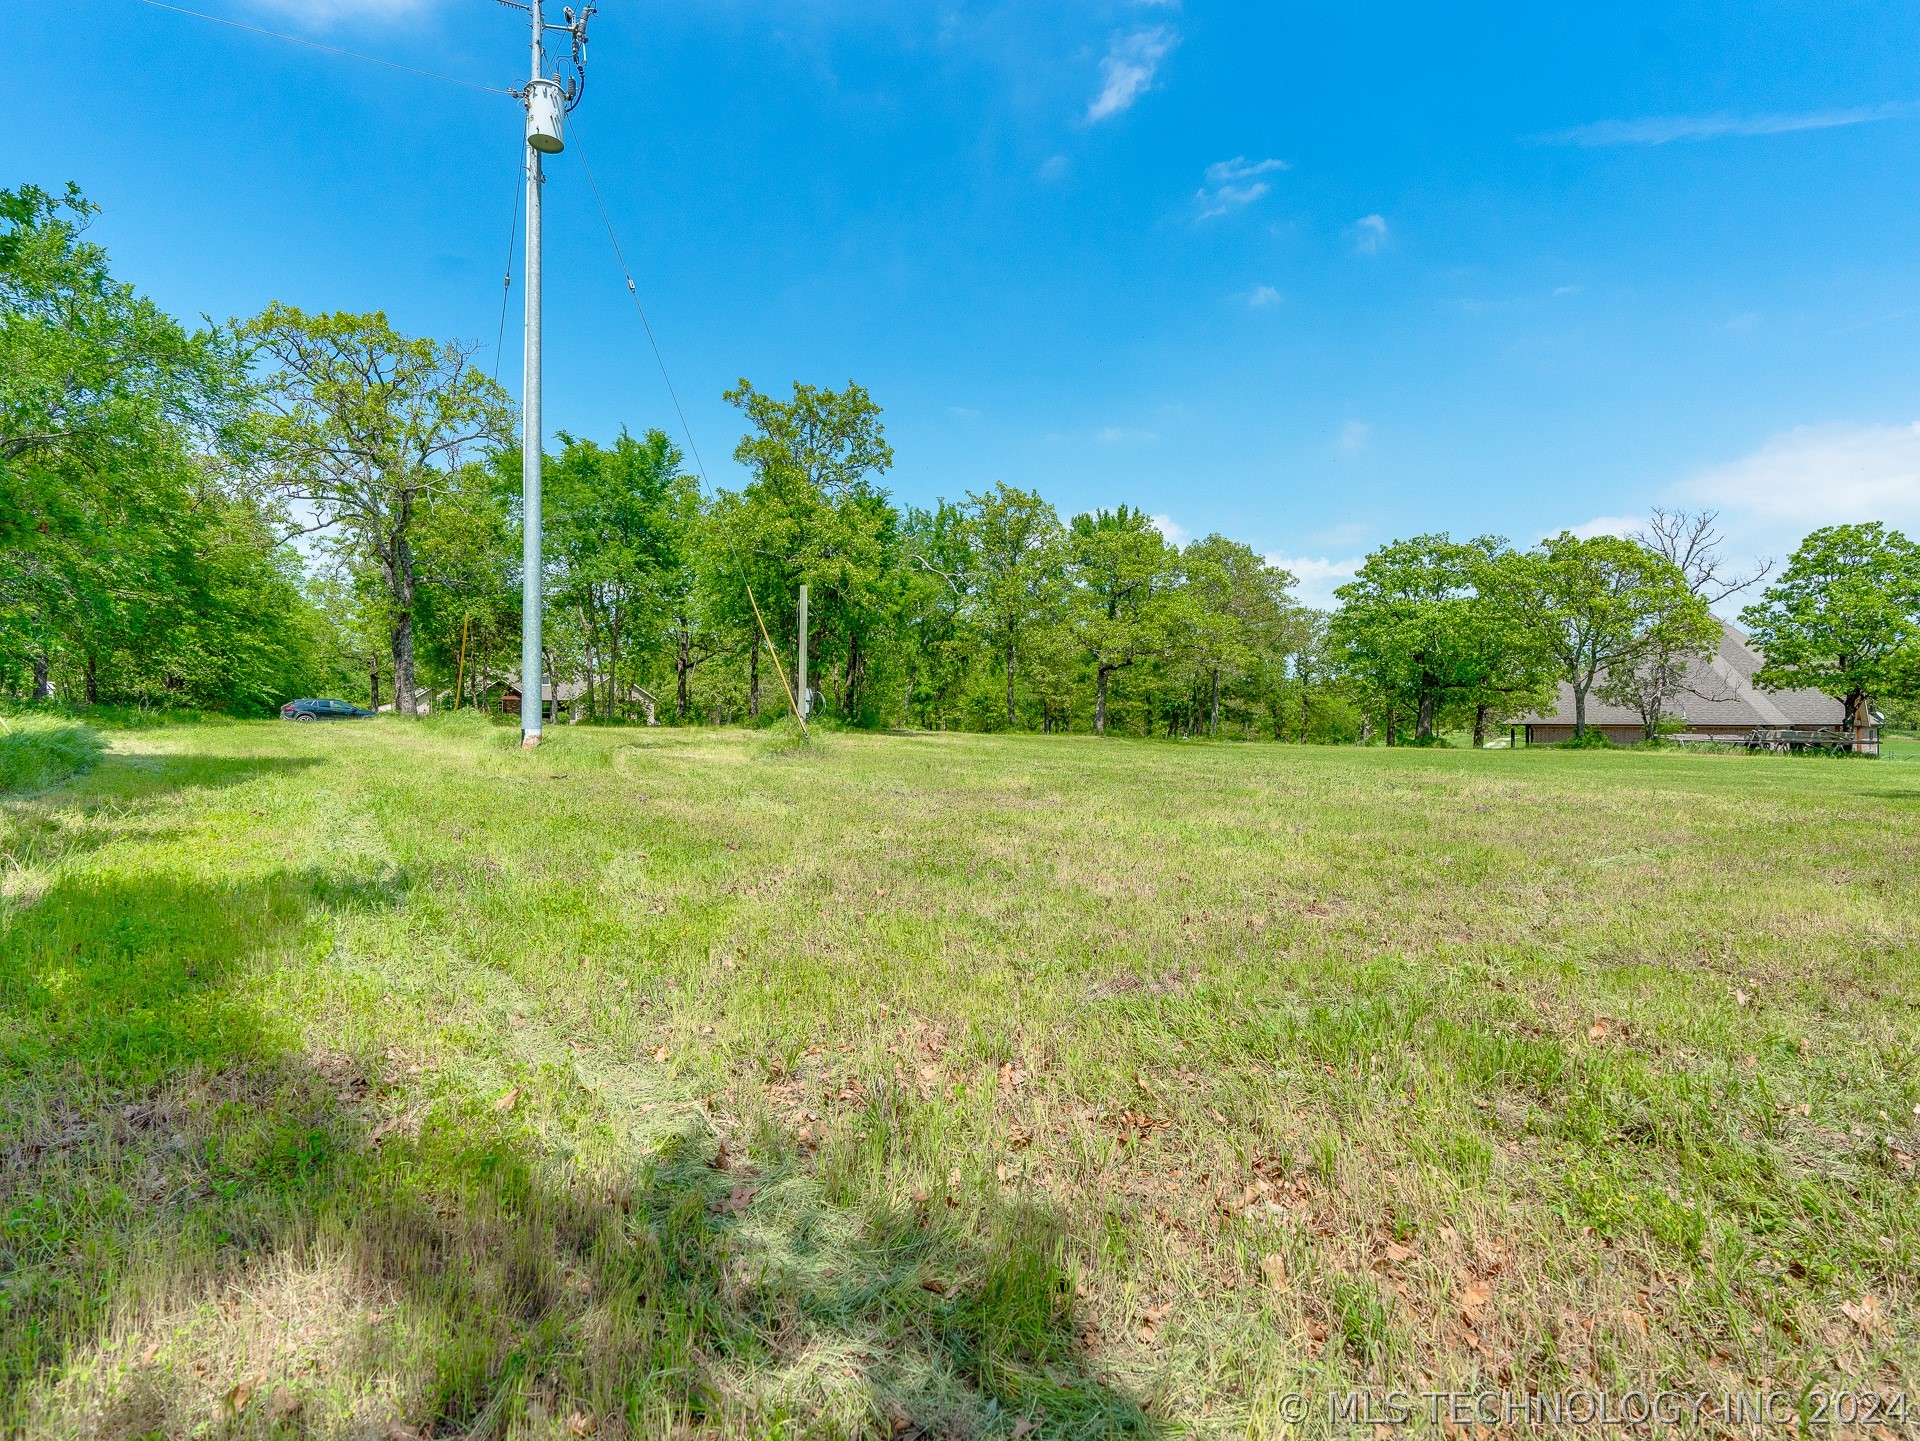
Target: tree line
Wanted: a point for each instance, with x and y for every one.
(232, 515)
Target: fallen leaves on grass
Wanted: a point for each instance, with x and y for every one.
(237, 1398)
(507, 1102)
(1130, 1126)
(1273, 1269)
(1150, 1320)
(1473, 1301)
(736, 1200)
(1866, 1313)
(581, 1424)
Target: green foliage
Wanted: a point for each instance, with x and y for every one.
(1844, 617)
(363, 426)
(1123, 573)
(1428, 629)
(1600, 604)
(1590, 740)
(135, 565)
(37, 754)
(812, 513)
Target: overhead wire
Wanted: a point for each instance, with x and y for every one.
(513, 234)
(330, 49)
(685, 429)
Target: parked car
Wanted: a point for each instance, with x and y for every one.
(319, 710)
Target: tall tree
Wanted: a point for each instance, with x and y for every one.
(1427, 625)
(621, 532)
(1654, 684)
(362, 425)
(935, 610)
(1015, 582)
(1844, 618)
(813, 513)
(1598, 603)
(1122, 571)
(1237, 609)
(130, 559)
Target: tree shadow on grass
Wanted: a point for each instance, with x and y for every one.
(205, 1228)
(122, 795)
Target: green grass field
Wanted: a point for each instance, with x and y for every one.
(383, 1081)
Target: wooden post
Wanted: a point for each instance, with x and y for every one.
(460, 676)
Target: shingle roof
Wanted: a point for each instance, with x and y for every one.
(1718, 692)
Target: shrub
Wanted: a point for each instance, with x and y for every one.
(1593, 740)
(34, 757)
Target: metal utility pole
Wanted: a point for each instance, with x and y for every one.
(546, 100)
(800, 665)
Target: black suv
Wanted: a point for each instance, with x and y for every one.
(319, 710)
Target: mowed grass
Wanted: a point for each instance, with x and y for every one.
(381, 1080)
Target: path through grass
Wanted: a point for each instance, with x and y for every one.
(383, 1080)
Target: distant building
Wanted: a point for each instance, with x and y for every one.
(566, 696)
(1718, 701)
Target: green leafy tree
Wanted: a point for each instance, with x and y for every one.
(1236, 609)
(362, 425)
(813, 513)
(1601, 603)
(131, 561)
(620, 537)
(1122, 572)
(1427, 628)
(1844, 618)
(1015, 581)
(935, 614)
(466, 549)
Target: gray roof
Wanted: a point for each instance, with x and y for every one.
(1718, 693)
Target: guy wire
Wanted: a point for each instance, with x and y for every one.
(685, 429)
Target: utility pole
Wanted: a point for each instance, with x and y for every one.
(546, 101)
(800, 664)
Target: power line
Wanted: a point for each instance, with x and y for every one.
(627, 275)
(685, 429)
(330, 49)
(506, 286)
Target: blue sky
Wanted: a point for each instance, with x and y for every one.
(1313, 275)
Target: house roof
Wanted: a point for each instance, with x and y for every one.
(569, 690)
(1718, 693)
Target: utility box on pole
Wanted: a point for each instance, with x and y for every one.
(547, 102)
(800, 664)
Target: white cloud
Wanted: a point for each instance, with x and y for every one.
(1176, 533)
(1127, 71)
(963, 412)
(1229, 198)
(1370, 234)
(1231, 184)
(1663, 130)
(1241, 168)
(1743, 322)
(1261, 296)
(1317, 576)
(1053, 168)
(322, 13)
(1621, 525)
(1818, 475)
(1120, 435)
(1353, 437)
(1560, 290)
